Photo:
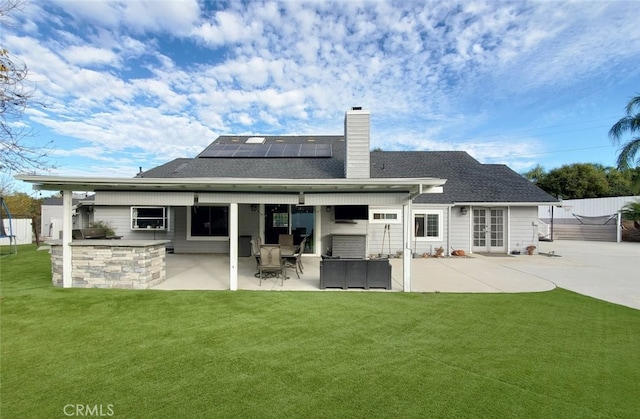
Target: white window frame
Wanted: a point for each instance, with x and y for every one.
(394, 214)
(425, 213)
(203, 238)
(164, 219)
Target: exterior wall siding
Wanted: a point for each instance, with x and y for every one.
(389, 243)
(119, 217)
(455, 231)
(330, 227)
(357, 131)
(460, 234)
(182, 245)
(523, 228)
(429, 247)
(144, 198)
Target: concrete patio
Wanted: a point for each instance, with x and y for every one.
(467, 274)
(607, 271)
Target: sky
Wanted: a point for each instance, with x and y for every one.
(130, 84)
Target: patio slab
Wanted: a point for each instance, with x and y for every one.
(607, 271)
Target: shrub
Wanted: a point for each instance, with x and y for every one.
(631, 211)
(106, 225)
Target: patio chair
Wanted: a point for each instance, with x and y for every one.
(271, 262)
(255, 249)
(285, 239)
(295, 261)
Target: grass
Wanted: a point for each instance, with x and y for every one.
(310, 354)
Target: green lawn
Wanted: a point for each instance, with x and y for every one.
(185, 354)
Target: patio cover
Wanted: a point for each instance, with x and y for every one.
(412, 187)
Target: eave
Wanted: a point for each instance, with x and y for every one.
(61, 183)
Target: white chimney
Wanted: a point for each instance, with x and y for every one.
(356, 135)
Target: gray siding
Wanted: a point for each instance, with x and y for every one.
(386, 245)
(119, 217)
(329, 227)
(182, 245)
(144, 198)
(248, 225)
(523, 228)
(460, 235)
(429, 247)
(356, 132)
(249, 221)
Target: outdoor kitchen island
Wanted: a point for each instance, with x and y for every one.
(132, 264)
(355, 273)
(347, 266)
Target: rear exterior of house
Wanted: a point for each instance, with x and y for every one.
(482, 208)
(344, 199)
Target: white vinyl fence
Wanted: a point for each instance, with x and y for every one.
(590, 207)
(585, 219)
(21, 228)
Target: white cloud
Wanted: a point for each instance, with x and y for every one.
(89, 56)
(444, 70)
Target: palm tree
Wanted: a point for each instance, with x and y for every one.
(631, 212)
(630, 124)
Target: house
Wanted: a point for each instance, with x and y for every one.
(326, 188)
(51, 214)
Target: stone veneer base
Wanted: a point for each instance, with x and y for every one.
(131, 264)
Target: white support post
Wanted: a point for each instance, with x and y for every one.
(407, 253)
(233, 246)
(533, 226)
(619, 227)
(67, 226)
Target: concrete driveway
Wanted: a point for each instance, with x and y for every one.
(607, 271)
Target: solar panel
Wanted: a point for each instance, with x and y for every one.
(267, 150)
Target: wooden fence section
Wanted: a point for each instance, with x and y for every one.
(605, 233)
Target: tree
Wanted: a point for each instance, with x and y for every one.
(535, 174)
(16, 153)
(576, 181)
(22, 205)
(586, 180)
(628, 124)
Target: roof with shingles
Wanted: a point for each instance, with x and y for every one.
(276, 168)
(467, 179)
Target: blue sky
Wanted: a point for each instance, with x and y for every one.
(132, 84)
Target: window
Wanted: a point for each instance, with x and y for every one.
(428, 225)
(385, 216)
(206, 222)
(143, 218)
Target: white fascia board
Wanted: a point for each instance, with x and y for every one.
(91, 183)
(501, 204)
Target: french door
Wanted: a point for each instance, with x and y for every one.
(488, 230)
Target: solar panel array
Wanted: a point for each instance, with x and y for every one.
(267, 150)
